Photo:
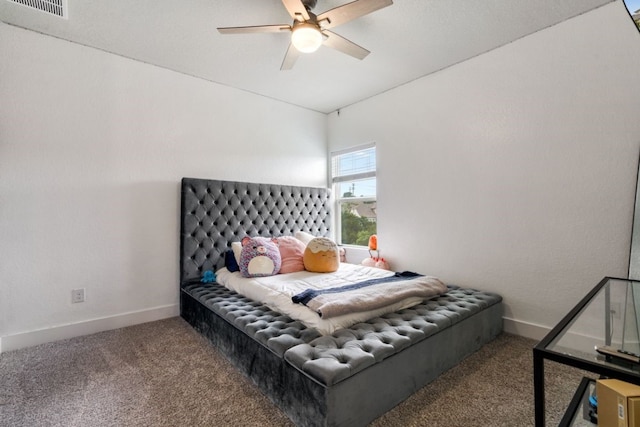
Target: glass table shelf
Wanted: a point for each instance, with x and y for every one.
(579, 412)
(606, 316)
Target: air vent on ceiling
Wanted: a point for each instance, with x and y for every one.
(52, 7)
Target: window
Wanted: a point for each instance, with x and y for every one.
(633, 6)
(353, 174)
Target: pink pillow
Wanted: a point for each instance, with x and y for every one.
(291, 252)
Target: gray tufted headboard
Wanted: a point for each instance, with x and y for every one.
(215, 213)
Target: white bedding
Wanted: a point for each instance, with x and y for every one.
(276, 292)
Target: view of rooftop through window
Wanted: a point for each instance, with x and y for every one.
(633, 6)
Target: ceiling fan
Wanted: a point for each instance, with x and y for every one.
(309, 31)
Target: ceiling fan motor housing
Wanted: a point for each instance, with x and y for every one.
(309, 4)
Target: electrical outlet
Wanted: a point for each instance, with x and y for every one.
(616, 310)
(77, 295)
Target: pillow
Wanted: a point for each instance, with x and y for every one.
(260, 257)
(304, 237)
(236, 247)
(230, 261)
(291, 252)
(321, 256)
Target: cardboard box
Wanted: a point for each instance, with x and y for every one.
(618, 403)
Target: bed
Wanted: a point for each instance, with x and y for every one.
(345, 378)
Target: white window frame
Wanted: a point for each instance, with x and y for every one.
(335, 181)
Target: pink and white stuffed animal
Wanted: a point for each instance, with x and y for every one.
(260, 257)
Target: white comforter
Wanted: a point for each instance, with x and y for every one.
(276, 292)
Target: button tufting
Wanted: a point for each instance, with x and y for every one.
(384, 335)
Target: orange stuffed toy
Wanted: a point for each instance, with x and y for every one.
(375, 261)
(321, 256)
(373, 242)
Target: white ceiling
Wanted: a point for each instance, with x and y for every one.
(407, 40)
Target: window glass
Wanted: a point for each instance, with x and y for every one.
(633, 6)
(354, 179)
(350, 163)
(357, 188)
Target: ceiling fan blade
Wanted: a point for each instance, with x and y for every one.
(343, 45)
(290, 58)
(297, 10)
(350, 11)
(255, 29)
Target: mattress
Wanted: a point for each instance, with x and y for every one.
(277, 291)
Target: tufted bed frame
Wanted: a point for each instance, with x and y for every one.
(348, 378)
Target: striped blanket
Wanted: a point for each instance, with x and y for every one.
(369, 294)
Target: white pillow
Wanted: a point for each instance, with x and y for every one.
(304, 237)
(236, 247)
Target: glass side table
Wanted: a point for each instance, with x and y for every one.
(607, 316)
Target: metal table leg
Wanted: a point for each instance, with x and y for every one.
(538, 388)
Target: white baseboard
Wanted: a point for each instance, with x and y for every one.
(571, 341)
(62, 332)
(56, 333)
(525, 329)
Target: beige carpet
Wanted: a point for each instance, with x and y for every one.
(165, 374)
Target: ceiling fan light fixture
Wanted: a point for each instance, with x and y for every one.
(306, 37)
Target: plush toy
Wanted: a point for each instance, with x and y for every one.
(369, 262)
(291, 253)
(208, 277)
(321, 256)
(373, 242)
(260, 257)
(343, 254)
(375, 261)
(382, 263)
